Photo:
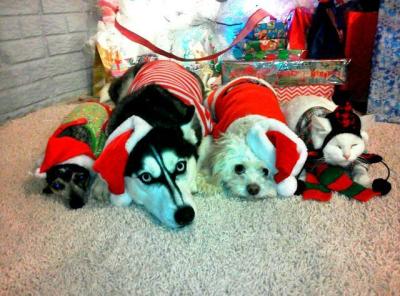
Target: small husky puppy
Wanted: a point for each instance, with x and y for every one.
(154, 138)
(255, 154)
(70, 182)
(71, 151)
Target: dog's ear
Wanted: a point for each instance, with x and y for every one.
(115, 89)
(191, 128)
(282, 151)
(117, 86)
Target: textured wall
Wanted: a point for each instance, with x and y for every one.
(41, 56)
(384, 98)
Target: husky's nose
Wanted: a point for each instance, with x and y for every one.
(253, 189)
(184, 215)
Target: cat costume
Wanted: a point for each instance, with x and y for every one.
(323, 178)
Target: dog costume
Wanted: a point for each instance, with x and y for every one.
(322, 178)
(270, 139)
(60, 149)
(178, 81)
(170, 76)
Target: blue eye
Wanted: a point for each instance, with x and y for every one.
(180, 167)
(145, 178)
(57, 185)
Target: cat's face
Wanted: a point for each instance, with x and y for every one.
(342, 149)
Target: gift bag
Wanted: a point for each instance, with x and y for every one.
(298, 28)
(359, 44)
(325, 36)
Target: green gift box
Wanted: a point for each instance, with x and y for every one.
(257, 48)
(278, 54)
(269, 30)
(289, 73)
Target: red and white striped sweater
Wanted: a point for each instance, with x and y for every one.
(178, 81)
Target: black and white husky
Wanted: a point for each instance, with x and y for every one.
(155, 133)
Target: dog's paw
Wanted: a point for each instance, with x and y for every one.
(99, 191)
(121, 200)
(363, 179)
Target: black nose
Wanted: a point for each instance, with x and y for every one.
(184, 215)
(253, 189)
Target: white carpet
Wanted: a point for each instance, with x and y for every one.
(275, 247)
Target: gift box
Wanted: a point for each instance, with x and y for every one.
(272, 29)
(256, 48)
(289, 73)
(287, 93)
(278, 54)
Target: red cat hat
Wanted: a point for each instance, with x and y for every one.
(270, 139)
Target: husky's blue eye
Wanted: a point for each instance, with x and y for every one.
(180, 167)
(145, 178)
(57, 185)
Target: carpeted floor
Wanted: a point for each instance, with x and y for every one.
(275, 247)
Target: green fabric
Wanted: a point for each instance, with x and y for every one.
(353, 190)
(331, 174)
(97, 117)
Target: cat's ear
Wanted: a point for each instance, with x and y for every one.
(320, 128)
(321, 125)
(366, 122)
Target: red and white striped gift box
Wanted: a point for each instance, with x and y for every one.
(287, 93)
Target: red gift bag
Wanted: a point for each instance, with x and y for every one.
(359, 44)
(299, 25)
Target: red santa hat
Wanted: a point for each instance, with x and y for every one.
(112, 161)
(279, 147)
(61, 150)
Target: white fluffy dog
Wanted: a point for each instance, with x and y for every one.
(255, 154)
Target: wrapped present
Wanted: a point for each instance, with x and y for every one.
(289, 73)
(287, 93)
(278, 54)
(257, 48)
(272, 29)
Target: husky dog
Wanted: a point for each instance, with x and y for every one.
(154, 138)
(255, 154)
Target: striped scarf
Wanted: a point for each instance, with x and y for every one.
(322, 179)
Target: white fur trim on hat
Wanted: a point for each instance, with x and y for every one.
(81, 160)
(287, 187)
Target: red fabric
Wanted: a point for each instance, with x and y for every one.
(177, 80)
(286, 154)
(112, 161)
(310, 178)
(366, 195)
(60, 149)
(242, 100)
(297, 33)
(359, 44)
(341, 183)
(317, 195)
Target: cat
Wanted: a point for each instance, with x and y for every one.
(306, 116)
